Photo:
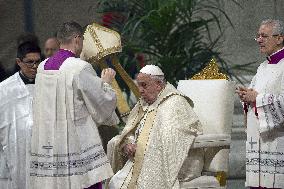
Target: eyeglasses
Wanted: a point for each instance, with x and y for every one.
(31, 63)
(264, 36)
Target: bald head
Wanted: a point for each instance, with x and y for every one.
(51, 46)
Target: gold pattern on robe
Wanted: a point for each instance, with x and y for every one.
(211, 71)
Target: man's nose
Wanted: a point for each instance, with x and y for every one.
(35, 66)
(260, 40)
(140, 89)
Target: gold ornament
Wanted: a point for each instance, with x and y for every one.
(211, 71)
(221, 176)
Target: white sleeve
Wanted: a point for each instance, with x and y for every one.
(98, 96)
(270, 108)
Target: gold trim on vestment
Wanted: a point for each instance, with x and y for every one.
(118, 161)
(142, 143)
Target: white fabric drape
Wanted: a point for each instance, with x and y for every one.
(15, 131)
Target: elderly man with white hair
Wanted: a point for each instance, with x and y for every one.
(264, 108)
(157, 137)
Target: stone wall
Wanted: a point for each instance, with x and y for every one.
(239, 46)
(12, 24)
(45, 17)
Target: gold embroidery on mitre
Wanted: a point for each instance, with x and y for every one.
(100, 42)
(211, 71)
(110, 43)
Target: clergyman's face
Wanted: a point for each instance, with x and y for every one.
(51, 46)
(29, 64)
(79, 44)
(268, 41)
(148, 88)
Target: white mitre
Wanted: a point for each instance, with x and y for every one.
(152, 70)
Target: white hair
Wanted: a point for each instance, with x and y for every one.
(277, 25)
(159, 78)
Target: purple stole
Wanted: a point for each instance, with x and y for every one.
(275, 58)
(54, 63)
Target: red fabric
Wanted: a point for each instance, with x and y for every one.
(112, 17)
(141, 59)
(254, 106)
(107, 19)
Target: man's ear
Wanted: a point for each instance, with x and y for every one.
(18, 61)
(281, 40)
(160, 84)
(76, 39)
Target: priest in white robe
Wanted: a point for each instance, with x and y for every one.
(70, 102)
(16, 120)
(264, 108)
(157, 137)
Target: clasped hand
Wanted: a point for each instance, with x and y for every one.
(129, 150)
(246, 95)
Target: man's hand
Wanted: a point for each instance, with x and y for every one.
(240, 90)
(108, 75)
(129, 150)
(250, 96)
(247, 95)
